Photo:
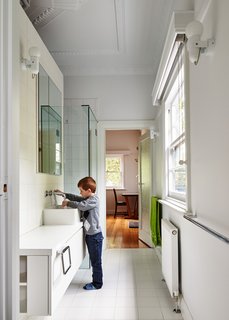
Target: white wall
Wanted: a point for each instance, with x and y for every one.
(204, 258)
(209, 101)
(32, 184)
(116, 98)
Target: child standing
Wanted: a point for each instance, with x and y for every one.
(88, 204)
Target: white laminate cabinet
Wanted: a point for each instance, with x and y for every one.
(49, 259)
(38, 285)
(61, 281)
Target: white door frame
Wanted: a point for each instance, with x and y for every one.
(144, 228)
(9, 166)
(102, 127)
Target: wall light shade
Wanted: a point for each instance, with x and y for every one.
(34, 58)
(33, 63)
(193, 32)
(194, 28)
(195, 46)
(153, 133)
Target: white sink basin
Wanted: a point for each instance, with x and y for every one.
(66, 216)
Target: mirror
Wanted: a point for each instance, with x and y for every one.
(49, 125)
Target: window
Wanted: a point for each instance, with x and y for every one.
(175, 139)
(115, 171)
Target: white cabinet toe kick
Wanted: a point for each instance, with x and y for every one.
(49, 258)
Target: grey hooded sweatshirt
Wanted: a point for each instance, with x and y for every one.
(89, 209)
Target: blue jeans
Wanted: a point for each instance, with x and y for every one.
(94, 244)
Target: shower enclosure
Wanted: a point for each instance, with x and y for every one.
(80, 148)
(80, 145)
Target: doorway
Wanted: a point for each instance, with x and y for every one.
(9, 168)
(103, 126)
(145, 187)
(122, 174)
(127, 176)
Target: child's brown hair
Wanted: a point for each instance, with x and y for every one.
(87, 183)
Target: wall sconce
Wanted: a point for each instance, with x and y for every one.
(33, 63)
(195, 46)
(153, 134)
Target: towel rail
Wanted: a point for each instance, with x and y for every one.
(209, 230)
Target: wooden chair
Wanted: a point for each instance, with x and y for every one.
(119, 203)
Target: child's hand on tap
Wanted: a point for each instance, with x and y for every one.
(65, 203)
(59, 192)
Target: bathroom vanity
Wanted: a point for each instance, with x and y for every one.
(50, 255)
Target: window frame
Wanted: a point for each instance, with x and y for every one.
(122, 169)
(177, 197)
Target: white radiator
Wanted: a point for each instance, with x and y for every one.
(169, 256)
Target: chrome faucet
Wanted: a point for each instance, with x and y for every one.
(55, 194)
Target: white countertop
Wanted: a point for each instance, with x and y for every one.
(45, 240)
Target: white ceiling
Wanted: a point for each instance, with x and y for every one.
(103, 37)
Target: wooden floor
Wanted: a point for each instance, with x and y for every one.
(119, 235)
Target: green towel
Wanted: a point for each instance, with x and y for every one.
(155, 221)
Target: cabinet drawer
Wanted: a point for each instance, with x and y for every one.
(61, 280)
(75, 245)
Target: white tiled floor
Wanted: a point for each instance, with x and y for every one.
(132, 290)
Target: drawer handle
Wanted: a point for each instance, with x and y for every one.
(66, 259)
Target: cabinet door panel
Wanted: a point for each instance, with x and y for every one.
(77, 250)
(38, 285)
